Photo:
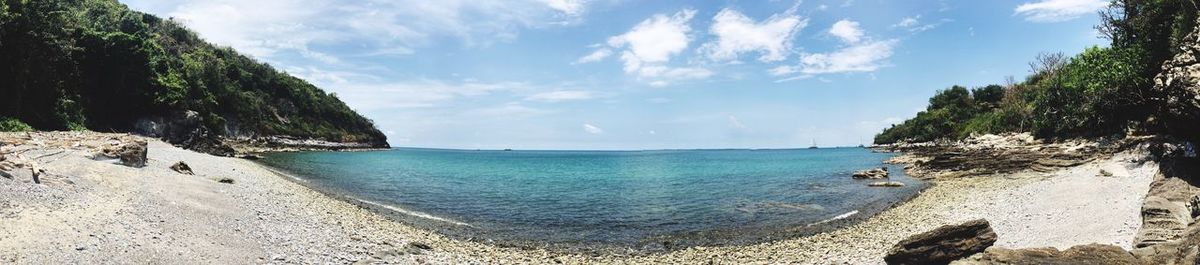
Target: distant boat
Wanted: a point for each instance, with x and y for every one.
(506, 149)
(814, 144)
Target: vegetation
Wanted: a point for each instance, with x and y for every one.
(1102, 91)
(95, 64)
(13, 125)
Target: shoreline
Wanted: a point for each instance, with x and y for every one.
(648, 246)
(86, 210)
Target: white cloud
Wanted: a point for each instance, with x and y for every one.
(647, 48)
(862, 57)
(595, 56)
(510, 111)
(735, 123)
(266, 28)
(738, 34)
(913, 24)
(568, 7)
(846, 30)
(908, 22)
(1058, 10)
(654, 40)
(562, 95)
(592, 129)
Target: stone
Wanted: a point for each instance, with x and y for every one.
(944, 244)
(182, 168)
(875, 173)
(419, 245)
(1162, 221)
(225, 180)
(886, 184)
(1082, 255)
(131, 153)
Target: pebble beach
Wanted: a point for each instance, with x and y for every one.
(95, 211)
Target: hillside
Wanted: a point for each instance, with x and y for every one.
(1102, 91)
(97, 65)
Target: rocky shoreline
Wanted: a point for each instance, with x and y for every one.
(100, 211)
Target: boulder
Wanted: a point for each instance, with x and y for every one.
(1082, 255)
(182, 168)
(1162, 221)
(875, 173)
(886, 184)
(1179, 83)
(225, 180)
(944, 244)
(130, 153)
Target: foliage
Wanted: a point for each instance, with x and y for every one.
(1101, 91)
(13, 125)
(95, 64)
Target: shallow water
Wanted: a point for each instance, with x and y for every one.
(610, 197)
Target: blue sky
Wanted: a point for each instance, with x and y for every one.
(613, 74)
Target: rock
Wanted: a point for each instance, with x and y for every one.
(886, 184)
(1185, 250)
(944, 244)
(1162, 221)
(250, 156)
(1083, 254)
(1179, 83)
(1105, 173)
(225, 180)
(419, 245)
(875, 173)
(1194, 206)
(131, 153)
(182, 168)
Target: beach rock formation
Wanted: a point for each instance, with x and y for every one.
(944, 244)
(1179, 83)
(991, 154)
(1163, 221)
(1083, 254)
(886, 184)
(182, 168)
(874, 173)
(131, 153)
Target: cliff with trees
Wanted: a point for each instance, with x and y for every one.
(1102, 91)
(97, 65)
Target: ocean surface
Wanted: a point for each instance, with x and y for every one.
(633, 199)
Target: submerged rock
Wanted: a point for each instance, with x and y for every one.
(182, 168)
(875, 173)
(886, 184)
(944, 244)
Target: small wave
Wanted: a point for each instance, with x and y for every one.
(414, 213)
(835, 218)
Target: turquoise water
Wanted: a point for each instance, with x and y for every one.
(629, 198)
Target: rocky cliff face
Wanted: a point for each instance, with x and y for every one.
(1179, 86)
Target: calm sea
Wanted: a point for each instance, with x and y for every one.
(638, 199)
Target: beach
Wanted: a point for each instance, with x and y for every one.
(95, 211)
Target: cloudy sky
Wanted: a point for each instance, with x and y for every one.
(623, 74)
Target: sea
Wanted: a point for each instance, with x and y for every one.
(641, 200)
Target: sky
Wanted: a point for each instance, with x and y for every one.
(632, 75)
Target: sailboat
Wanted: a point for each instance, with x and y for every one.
(814, 144)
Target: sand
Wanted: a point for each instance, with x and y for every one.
(89, 211)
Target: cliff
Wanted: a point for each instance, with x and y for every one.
(97, 65)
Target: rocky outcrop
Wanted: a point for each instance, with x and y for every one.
(874, 173)
(944, 244)
(1082, 255)
(131, 153)
(1162, 221)
(1179, 85)
(981, 155)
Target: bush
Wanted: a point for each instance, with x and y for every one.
(13, 125)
